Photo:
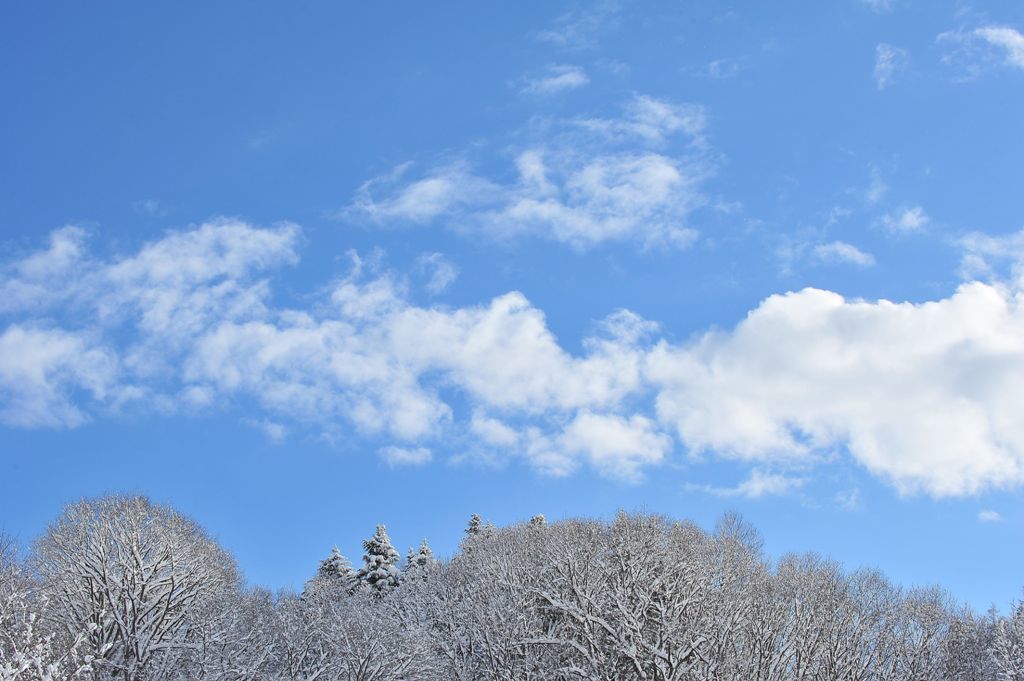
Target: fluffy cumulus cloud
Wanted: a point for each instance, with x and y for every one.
(925, 396)
(615, 444)
(186, 322)
(636, 177)
(42, 371)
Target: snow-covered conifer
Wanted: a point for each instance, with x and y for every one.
(420, 563)
(334, 575)
(336, 566)
(425, 556)
(473, 528)
(380, 562)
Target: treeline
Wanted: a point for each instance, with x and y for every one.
(119, 588)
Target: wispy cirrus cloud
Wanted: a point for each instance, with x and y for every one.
(439, 270)
(890, 63)
(1008, 40)
(792, 252)
(877, 187)
(905, 220)
(880, 6)
(987, 256)
(582, 26)
(842, 252)
(556, 78)
(588, 180)
(759, 484)
(990, 516)
(972, 51)
(402, 456)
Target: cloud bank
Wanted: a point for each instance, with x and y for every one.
(926, 396)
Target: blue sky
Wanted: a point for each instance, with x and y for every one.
(302, 270)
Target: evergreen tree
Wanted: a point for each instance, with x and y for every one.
(336, 566)
(425, 556)
(473, 529)
(420, 563)
(380, 563)
(335, 572)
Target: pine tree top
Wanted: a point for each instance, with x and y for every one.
(378, 547)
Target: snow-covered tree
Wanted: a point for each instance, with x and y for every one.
(380, 563)
(474, 525)
(334, 576)
(140, 576)
(28, 650)
(335, 566)
(1008, 647)
(123, 590)
(421, 562)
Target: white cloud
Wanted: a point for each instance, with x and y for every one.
(926, 396)
(596, 180)
(557, 78)
(440, 272)
(273, 431)
(972, 51)
(985, 254)
(150, 207)
(166, 293)
(1007, 39)
(616, 445)
(41, 370)
(444, 190)
(988, 516)
(877, 188)
(890, 62)
(651, 120)
(912, 219)
(848, 500)
(842, 252)
(580, 27)
(759, 484)
(493, 432)
(792, 252)
(722, 68)
(401, 456)
(878, 5)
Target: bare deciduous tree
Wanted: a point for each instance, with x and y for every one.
(643, 597)
(140, 575)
